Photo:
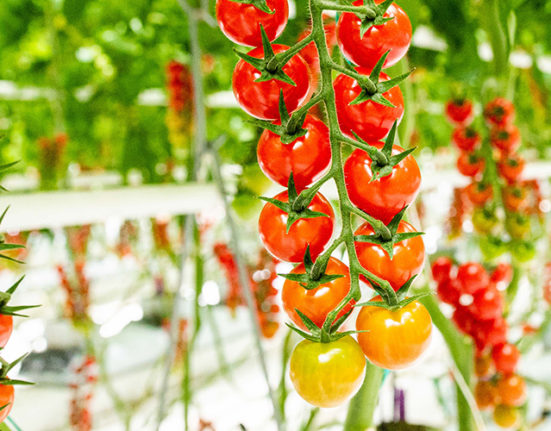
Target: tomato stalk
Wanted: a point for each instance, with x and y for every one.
(362, 10)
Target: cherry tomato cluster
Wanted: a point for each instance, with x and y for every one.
(479, 305)
(85, 376)
(274, 84)
(520, 199)
(180, 94)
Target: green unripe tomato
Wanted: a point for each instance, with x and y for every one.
(492, 247)
(518, 226)
(523, 251)
(484, 221)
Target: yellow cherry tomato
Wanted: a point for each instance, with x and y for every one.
(506, 417)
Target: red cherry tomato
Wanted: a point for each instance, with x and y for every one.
(466, 138)
(261, 99)
(489, 332)
(6, 328)
(371, 121)
(448, 291)
(384, 197)
(472, 277)
(241, 22)
(487, 304)
(479, 193)
(441, 269)
(310, 52)
(505, 357)
(511, 168)
(394, 36)
(460, 112)
(499, 112)
(6, 399)
(463, 319)
(307, 157)
(469, 164)
(409, 256)
(502, 274)
(291, 246)
(506, 138)
(317, 303)
(511, 390)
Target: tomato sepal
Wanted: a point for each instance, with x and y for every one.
(261, 5)
(379, 19)
(7, 367)
(5, 297)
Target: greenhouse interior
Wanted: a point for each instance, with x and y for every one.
(275, 215)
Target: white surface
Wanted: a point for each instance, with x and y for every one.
(69, 208)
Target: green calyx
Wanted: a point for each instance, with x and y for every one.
(259, 4)
(388, 244)
(374, 90)
(6, 367)
(399, 300)
(314, 275)
(383, 162)
(375, 15)
(5, 298)
(322, 335)
(271, 66)
(295, 212)
(4, 167)
(290, 128)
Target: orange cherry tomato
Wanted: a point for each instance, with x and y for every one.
(6, 328)
(6, 399)
(409, 256)
(318, 302)
(511, 168)
(506, 138)
(479, 193)
(511, 390)
(395, 339)
(483, 366)
(485, 394)
(515, 197)
(470, 164)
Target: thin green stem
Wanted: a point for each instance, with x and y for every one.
(362, 10)
(363, 80)
(285, 56)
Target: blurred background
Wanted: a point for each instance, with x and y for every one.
(97, 105)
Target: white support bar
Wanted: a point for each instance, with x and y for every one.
(70, 208)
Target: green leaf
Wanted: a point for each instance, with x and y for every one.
(283, 206)
(4, 214)
(5, 246)
(13, 311)
(15, 285)
(312, 327)
(302, 333)
(257, 63)
(399, 237)
(8, 165)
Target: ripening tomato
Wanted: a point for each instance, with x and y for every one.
(470, 164)
(371, 121)
(472, 277)
(505, 357)
(409, 256)
(511, 390)
(327, 374)
(492, 246)
(291, 246)
(394, 36)
(460, 112)
(518, 225)
(511, 168)
(6, 399)
(484, 221)
(308, 157)
(506, 417)
(317, 303)
(6, 328)
(515, 197)
(487, 304)
(487, 333)
(523, 251)
(499, 112)
(479, 193)
(441, 269)
(485, 394)
(506, 138)
(241, 22)
(466, 138)
(395, 339)
(261, 99)
(385, 197)
(483, 365)
(502, 274)
(448, 291)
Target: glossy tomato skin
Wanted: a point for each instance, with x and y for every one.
(261, 99)
(409, 256)
(395, 339)
(505, 357)
(441, 269)
(308, 157)
(512, 390)
(6, 328)
(465, 138)
(371, 121)
(291, 246)
(470, 164)
(6, 399)
(487, 304)
(327, 374)
(472, 277)
(394, 36)
(499, 112)
(241, 22)
(320, 301)
(448, 291)
(385, 197)
(506, 417)
(506, 138)
(460, 113)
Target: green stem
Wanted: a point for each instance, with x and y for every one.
(362, 10)
(362, 406)
(363, 80)
(497, 36)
